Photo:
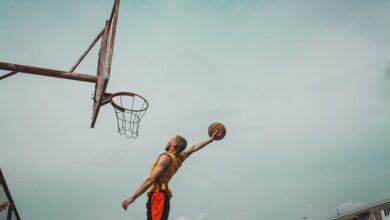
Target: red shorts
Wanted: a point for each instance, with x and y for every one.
(158, 206)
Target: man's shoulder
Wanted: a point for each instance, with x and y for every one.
(177, 159)
(164, 159)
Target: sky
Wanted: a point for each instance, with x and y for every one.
(303, 88)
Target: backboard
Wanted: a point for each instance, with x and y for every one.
(105, 60)
(130, 107)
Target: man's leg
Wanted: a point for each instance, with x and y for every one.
(158, 206)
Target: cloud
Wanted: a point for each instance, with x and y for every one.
(200, 216)
(349, 206)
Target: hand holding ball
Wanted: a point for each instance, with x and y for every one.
(216, 126)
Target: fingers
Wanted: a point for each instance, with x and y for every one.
(217, 134)
(5, 204)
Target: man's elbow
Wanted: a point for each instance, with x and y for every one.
(150, 180)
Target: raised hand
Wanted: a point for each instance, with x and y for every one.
(217, 135)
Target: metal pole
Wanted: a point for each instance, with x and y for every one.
(8, 75)
(9, 213)
(47, 72)
(86, 52)
(9, 198)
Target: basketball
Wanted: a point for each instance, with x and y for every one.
(217, 126)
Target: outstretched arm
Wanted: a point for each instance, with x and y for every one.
(162, 164)
(184, 155)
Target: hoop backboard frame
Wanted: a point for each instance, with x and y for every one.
(100, 79)
(105, 61)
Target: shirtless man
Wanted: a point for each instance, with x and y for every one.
(161, 173)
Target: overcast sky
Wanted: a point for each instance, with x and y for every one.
(303, 88)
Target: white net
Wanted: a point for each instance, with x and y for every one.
(129, 110)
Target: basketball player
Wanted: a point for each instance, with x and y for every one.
(162, 171)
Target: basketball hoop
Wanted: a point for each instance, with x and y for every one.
(129, 107)
(129, 110)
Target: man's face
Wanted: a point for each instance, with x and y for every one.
(171, 144)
